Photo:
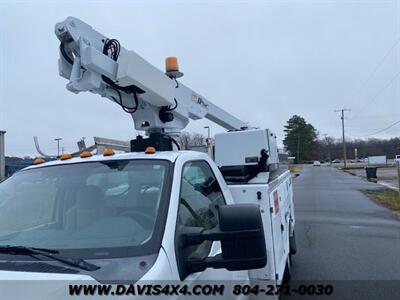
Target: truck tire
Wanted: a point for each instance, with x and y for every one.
(287, 274)
(292, 244)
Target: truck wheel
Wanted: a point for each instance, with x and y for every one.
(292, 244)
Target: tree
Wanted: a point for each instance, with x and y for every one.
(333, 149)
(198, 139)
(188, 140)
(184, 140)
(300, 138)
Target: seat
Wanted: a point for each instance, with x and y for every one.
(90, 207)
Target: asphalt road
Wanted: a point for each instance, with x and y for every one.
(343, 238)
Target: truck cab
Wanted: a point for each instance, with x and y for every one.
(114, 211)
(169, 215)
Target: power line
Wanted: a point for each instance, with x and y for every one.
(380, 62)
(379, 131)
(389, 83)
(379, 116)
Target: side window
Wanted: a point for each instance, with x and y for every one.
(200, 195)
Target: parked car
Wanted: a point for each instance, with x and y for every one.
(317, 163)
(336, 161)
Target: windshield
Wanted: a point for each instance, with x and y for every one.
(109, 208)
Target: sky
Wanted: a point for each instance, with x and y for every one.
(263, 61)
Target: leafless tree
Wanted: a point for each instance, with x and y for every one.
(187, 140)
(198, 139)
(184, 140)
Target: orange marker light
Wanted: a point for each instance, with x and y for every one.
(150, 150)
(38, 161)
(65, 156)
(108, 152)
(171, 64)
(172, 67)
(85, 154)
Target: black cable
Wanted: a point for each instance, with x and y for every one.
(127, 109)
(64, 54)
(67, 57)
(135, 97)
(175, 142)
(173, 108)
(112, 49)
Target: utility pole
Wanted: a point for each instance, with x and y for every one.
(208, 131)
(208, 141)
(298, 149)
(58, 146)
(343, 138)
(398, 173)
(2, 156)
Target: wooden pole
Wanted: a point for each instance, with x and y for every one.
(398, 174)
(2, 156)
(343, 136)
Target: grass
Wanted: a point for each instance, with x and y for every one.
(386, 197)
(294, 168)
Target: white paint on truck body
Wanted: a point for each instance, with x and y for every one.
(276, 204)
(240, 148)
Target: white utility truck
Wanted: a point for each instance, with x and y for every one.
(155, 214)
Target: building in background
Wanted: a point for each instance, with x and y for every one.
(14, 164)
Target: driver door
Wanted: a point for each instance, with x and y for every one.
(200, 195)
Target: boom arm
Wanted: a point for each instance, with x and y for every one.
(157, 103)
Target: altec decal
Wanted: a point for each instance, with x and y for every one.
(276, 202)
(199, 100)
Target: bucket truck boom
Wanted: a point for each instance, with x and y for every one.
(157, 102)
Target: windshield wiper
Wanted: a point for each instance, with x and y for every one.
(50, 253)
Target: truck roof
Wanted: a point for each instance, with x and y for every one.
(165, 155)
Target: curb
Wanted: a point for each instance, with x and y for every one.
(382, 183)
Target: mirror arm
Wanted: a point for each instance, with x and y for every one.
(198, 236)
(218, 262)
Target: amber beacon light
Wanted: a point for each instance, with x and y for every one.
(39, 161)
(172, 67)
(108, 152)
(150, 150)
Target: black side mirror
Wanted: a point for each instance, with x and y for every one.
(242, 241)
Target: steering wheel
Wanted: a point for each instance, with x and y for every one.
(144, 219)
